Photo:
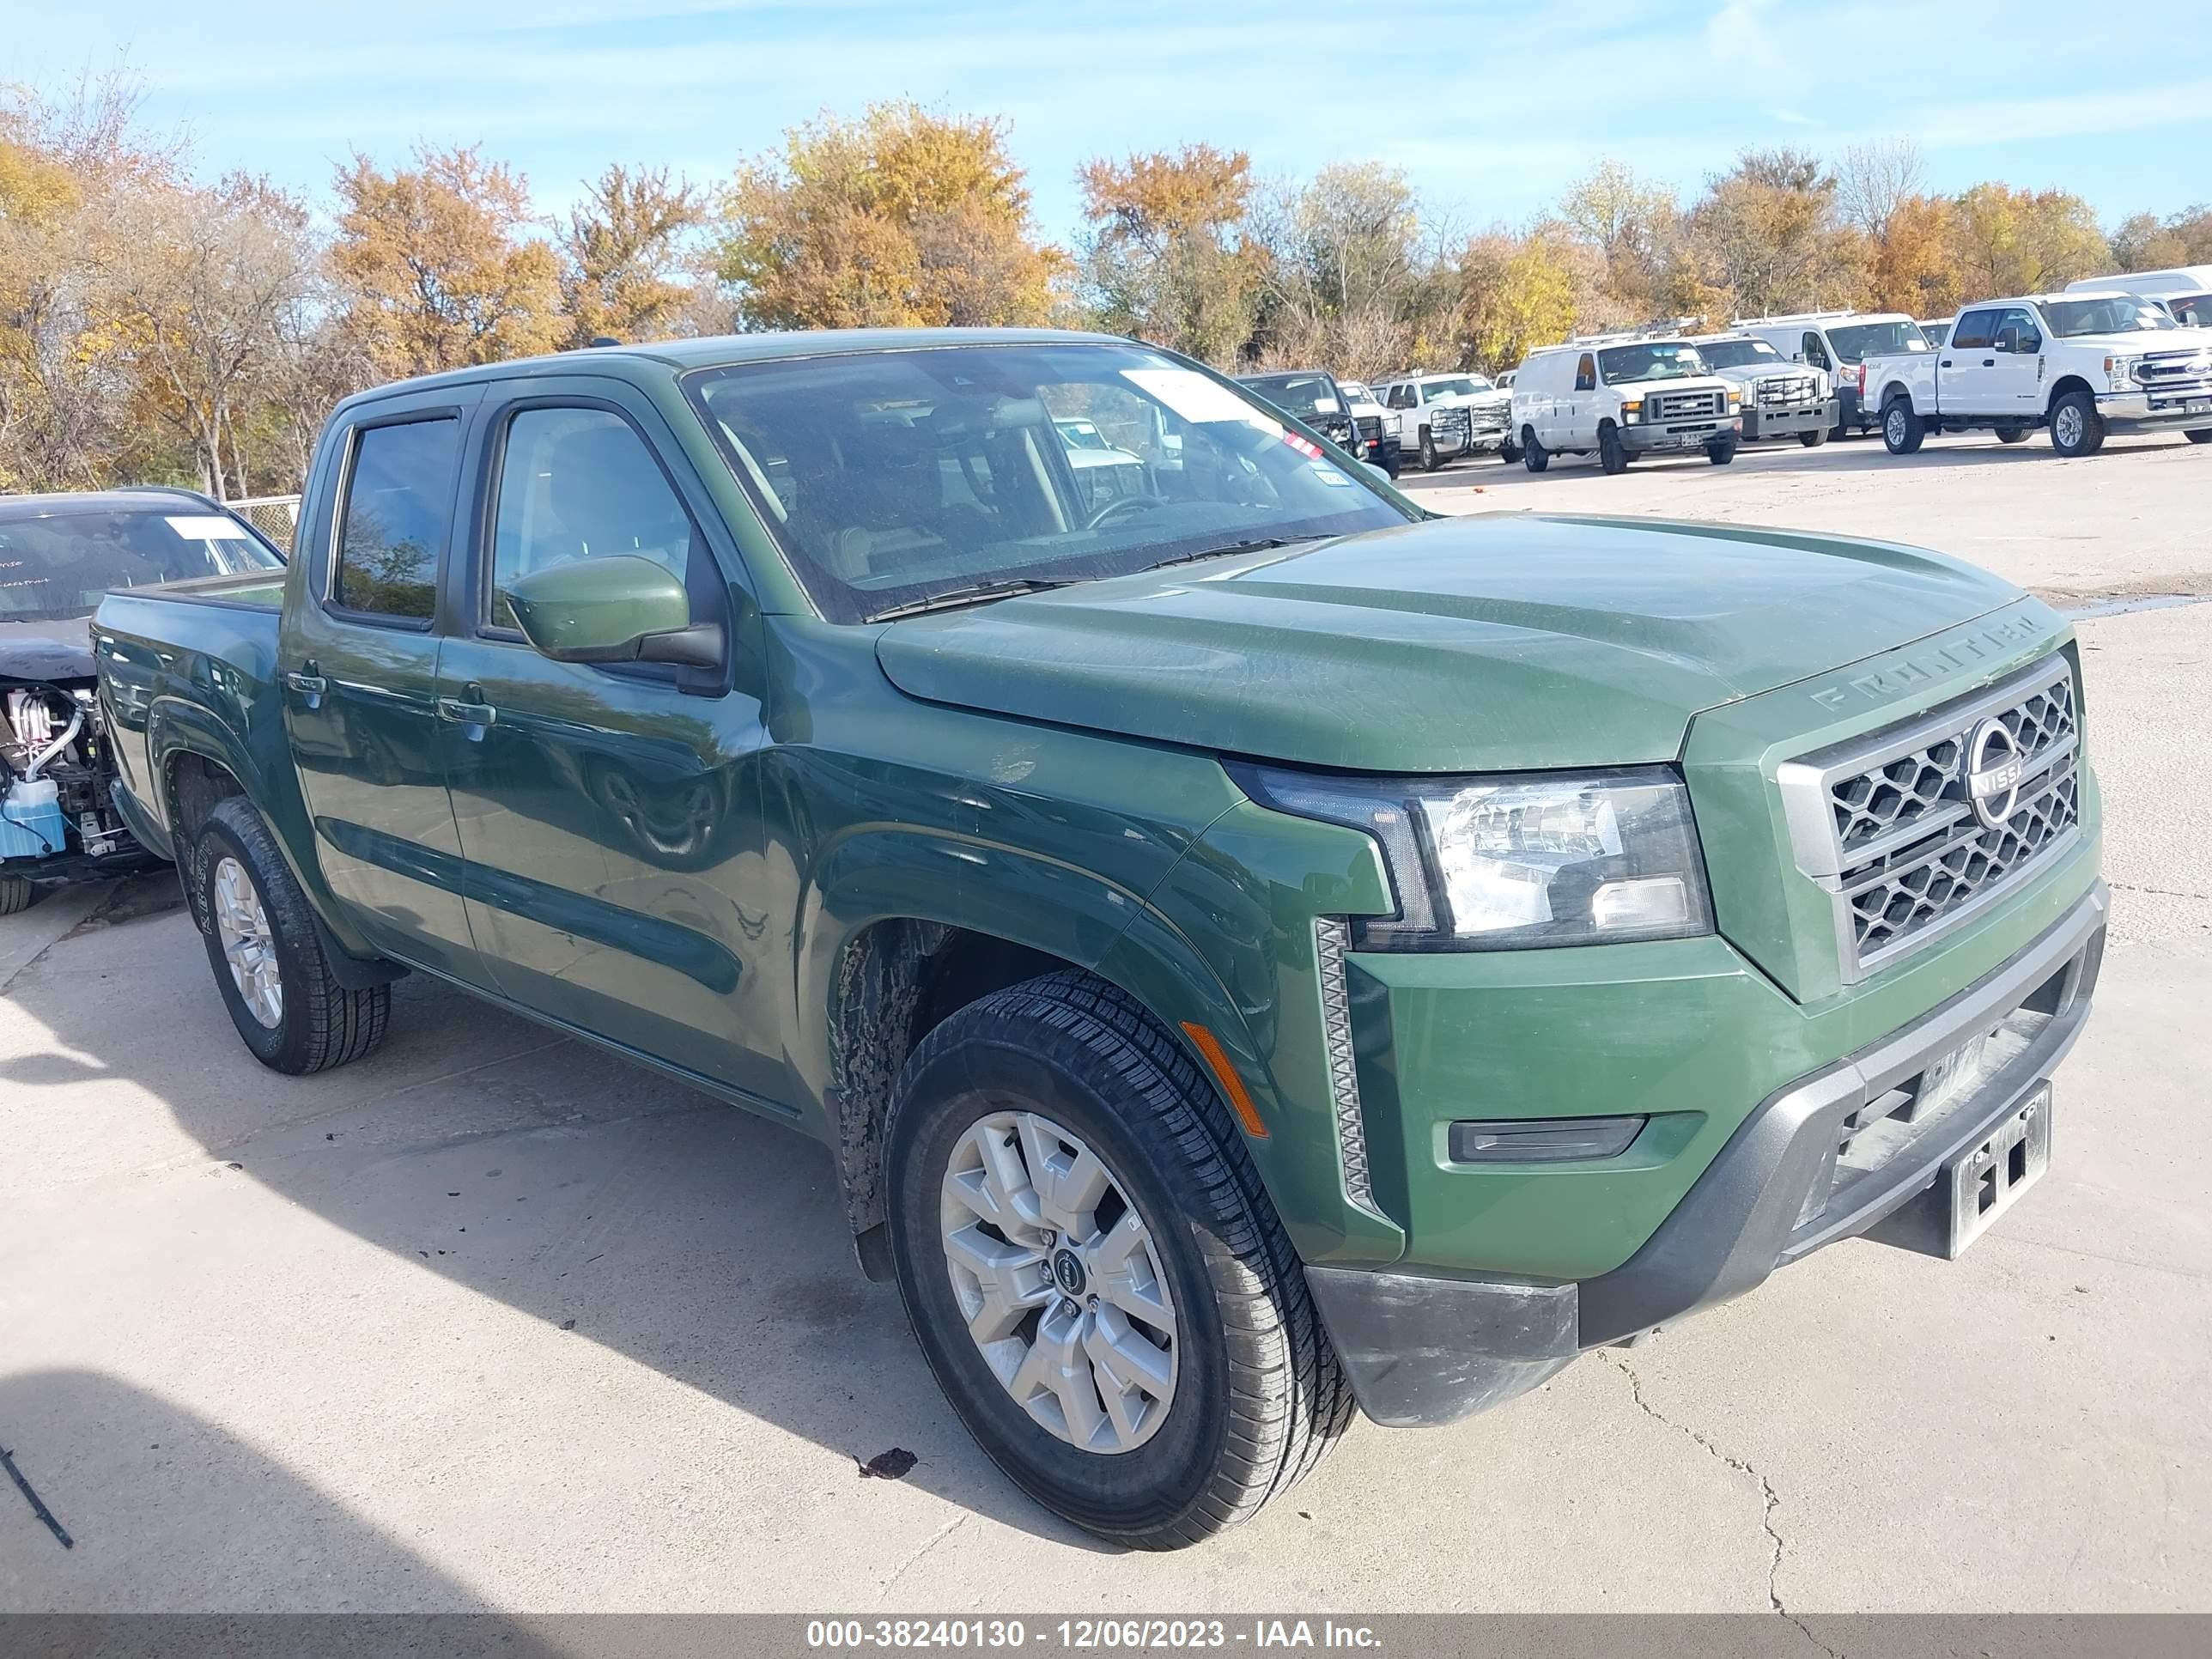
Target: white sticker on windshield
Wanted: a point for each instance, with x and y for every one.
(1197, 399)
(1327, 405)
(206, 527)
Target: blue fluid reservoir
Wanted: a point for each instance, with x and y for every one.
(31, 822)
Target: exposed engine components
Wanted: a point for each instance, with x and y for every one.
(53, 780)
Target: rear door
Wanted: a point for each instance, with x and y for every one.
(610, 814)
(1969, 383)
(357, 669)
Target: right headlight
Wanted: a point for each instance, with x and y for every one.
(1514, 861)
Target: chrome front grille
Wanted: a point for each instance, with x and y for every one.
(1447, 418)
(2172, 374)
(1786, 391)
(1685, 405)
(1886, 825)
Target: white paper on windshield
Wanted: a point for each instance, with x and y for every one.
(1197, 399)
(206, 527)
(1327, 405)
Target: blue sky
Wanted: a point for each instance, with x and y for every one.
(1489, 107)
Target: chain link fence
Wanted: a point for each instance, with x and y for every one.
(276, 517)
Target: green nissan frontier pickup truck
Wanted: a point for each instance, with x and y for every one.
(1251, 946)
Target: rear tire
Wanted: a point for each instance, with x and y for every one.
(1813, 440)
(16, 894)
(2012, 435)
(1611, 454)
(1721, 450)
(1532, 452)
(1240, 1391)
(1508, 451)
(267, 956)
(1902, 431)
(2076, 429)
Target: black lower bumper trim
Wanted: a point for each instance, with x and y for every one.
(1422, 1352)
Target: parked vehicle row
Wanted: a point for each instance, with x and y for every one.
(2082, 364)
(1214, 1027)
(1327, 404)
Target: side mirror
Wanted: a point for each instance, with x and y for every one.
(621, 608)
(1796, 356)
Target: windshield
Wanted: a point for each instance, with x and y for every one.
(1855, 341)
(1737, 354)
(1356, 391)
(1303, 395)
(58, 566)
(1459, 385)
(894, 477)
(2119, 314)
(1668, 361)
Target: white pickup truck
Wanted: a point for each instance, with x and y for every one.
(2082, 364)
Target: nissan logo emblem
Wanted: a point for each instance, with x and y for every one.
(1993, 770)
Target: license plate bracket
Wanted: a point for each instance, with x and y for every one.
(1987, 1179)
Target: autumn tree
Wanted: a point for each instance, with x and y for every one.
(1352, 279)
(900, 218)
(1910, 267)
(1875, 181)
(1169, 257)
(2144, 241)
(439, 269)
(1770, 230)
(2024, 241)
(1632, 224)
(1516, 293)
(622, 255)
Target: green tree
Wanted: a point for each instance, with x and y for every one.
(1169, 258)
(622, 250)
(1516, 293)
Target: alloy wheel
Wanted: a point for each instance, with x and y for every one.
(242, 927)
(1059, 1280)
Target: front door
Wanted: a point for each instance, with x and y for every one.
(1971, 382)
(357, 668)
(610, 816)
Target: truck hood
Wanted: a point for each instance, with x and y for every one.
(1467, 644)
(47, 650)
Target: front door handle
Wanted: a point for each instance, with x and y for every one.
(1945, 363)
(310, 685)
(1989, 362)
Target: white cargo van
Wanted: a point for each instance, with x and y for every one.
(1617, 398)
(1837, 342)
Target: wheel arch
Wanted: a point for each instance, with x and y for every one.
(884, 970)
(2061, 387)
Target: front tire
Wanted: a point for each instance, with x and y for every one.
(268, 958)
(1721, 450)
(1429, 459)
(1813, 440)
(1094, 1273)
(1902, 431)
(2076, 429)
(1532, 452)
(1611, 454)
(16, 894)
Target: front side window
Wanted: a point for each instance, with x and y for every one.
(1813, 351)
(580, 483)
(2017, 332)
(2119, 314)
(398, 508)
(1458, 385)
(1855, 341)
(1401, 396)
(893, 479)
(1632, 365)
(58, 565)
(1586, 372)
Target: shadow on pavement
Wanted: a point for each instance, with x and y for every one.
(565, 1183)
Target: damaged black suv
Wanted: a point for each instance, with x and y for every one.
(58, 555)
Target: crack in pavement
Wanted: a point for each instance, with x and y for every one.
(935, 1539)
(1771, 1498)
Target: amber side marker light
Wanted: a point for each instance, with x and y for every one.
(1240, 1099)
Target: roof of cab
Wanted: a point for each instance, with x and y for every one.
(722, 351)
(147, 497)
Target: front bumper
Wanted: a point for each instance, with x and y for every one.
(1423, 1349)
(1667, 437)
(1764, 423)
(2141, 409)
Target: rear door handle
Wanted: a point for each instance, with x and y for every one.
(1945, 363)
(1989, 362)
(475, 715)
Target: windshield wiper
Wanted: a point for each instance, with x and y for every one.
(1262, 545)
(972, 593)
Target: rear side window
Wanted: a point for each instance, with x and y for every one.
(1977, 330)
(580, 483)
(398, 508)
